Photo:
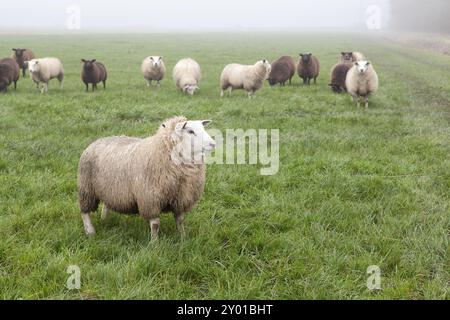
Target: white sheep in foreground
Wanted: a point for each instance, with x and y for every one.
(362, 81)
(45, 69)
(248, 77)
(165, 172)
(153, 69)
(186, 75)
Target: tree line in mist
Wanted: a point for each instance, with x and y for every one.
(413, 15)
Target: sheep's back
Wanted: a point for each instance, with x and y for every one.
(187, 68)
(50, 68)
(12, 71)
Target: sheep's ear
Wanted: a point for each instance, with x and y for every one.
(151, 58)
(163, 125)
(14, 49)
(342, 53)
(160, 58)
(94, 60)
(368, 63)
(82, 60)
(180, 127)
(206, 122)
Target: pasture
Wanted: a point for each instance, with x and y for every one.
(355, 187)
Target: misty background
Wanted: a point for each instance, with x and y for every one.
(231, 15)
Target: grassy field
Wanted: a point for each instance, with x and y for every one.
(355, 187)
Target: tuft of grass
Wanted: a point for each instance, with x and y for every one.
(355, 187)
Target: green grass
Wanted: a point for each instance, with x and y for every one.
(355, 187)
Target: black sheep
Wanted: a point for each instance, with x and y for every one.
(283, 70)
(308, 68)
(93, 72)
(9, 73)
(339, 75)
(22, 56)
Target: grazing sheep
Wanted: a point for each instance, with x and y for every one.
(165, 172)
(248, 77)
(362, 81)
(186, 75)
(93, 72)
(9, 73)
(282, 70)
(22, 56)
(338, 76)
(308, 68)
(153, 69)
(351, 56)
(44, 70)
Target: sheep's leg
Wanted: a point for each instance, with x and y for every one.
(87, 87)
(149, 83)
(15, 85)
(105, 212)
(179, 218)
(315, 80)
(158, 83)
(104, 85)
(154, 226)
(88, 227)
(23, 72)
(367, 102)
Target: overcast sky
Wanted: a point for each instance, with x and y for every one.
(188, 15)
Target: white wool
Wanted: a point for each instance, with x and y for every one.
(362, 81)
(186, 75)
(248, 77)
(153, 68)
(45, 69)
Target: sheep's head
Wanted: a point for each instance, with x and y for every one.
(347, 56)
(19, 52)
(362, 66)
(34, 66)
(193, 142)
(305, 57)
(155, 61)
(190, 89)
(88, 64)
(266, 65)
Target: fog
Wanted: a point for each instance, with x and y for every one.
(231, 15)
(193, 15)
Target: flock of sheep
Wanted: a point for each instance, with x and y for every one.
(352, 74)
(166, 172)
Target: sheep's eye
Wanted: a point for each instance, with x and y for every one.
(191, 132)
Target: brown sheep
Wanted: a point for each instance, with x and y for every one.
(351, 56)
(283, 70)
(9, 73)
(308, 68)
(338, 76)
(93, 72)
(22, 56)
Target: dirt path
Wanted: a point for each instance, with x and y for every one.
(429, 41)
